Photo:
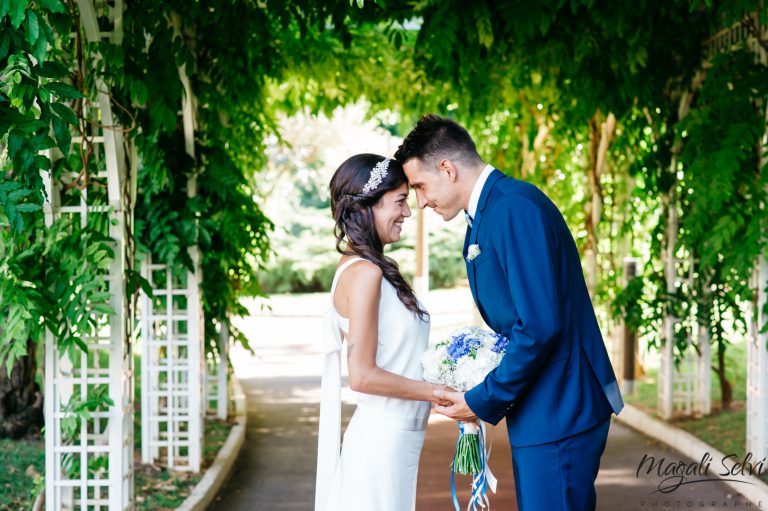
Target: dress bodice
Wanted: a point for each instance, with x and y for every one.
(402, 338)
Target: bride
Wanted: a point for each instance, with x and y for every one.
(386, 329)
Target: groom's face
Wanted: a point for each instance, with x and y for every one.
(435, 187)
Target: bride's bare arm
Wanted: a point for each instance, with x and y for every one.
(362, 290)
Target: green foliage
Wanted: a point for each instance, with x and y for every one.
(32, 104)
(527, 85)
(55, 280)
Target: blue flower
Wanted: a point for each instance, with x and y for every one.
(501, 344)
(462, 345)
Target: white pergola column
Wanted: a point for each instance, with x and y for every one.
(666, 386)
(172, 364)
(217, 396)
(757, 373)
(92, 468)
(757, 350)
(421, 275)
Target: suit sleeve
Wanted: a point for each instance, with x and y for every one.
(524, 241)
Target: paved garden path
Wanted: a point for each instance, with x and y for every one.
(275, 470)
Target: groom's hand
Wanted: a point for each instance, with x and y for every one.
(459, 410)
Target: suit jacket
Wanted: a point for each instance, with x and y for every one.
(555, 379)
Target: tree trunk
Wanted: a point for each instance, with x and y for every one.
(600, 133)
(531, 152)
(21, 402)
(726, 388)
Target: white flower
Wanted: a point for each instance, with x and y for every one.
(467, 363)
(473, 251)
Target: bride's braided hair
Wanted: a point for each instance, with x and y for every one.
(353, 213)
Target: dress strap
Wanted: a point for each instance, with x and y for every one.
(340, 270)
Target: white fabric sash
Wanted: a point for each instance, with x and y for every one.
(329, 435)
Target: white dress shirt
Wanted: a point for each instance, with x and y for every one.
(474, 198)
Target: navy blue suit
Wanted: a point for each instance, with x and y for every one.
(555, 384)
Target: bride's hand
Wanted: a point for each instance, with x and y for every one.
(438, 395)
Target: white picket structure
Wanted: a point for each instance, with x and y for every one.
(91, 468)
(172, 363)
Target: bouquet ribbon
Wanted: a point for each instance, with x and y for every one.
(480, 481)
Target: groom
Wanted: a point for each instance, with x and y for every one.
(555, 385)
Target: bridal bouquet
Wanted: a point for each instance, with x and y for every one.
(461, 362)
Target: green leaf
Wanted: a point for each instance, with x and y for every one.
(65, 113)
(44, 95)
(43, 162)
(62, 134)
(41, 142)
(17, 10)
(485, 31)
(63, 90)
(18, 222)
(33, 27)
(53, 69)
(9, 186)
(101, 296)
(41, 48)
(52, 5)
(4, 7)
(104, 309)
(28, 207)
(5, 43)
(15, 142)
(18, 194)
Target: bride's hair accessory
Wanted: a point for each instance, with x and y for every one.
(378, 173)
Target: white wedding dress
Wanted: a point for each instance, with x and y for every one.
(379, 459)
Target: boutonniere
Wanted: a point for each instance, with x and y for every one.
(472, 252)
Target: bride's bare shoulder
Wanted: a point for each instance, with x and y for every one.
(361, 280)
(363, 270)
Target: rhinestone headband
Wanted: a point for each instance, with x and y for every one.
(378, 173)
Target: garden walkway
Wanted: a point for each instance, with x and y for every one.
(275, 470)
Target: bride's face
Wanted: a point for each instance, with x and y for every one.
(390, 212)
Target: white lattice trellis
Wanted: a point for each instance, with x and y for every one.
(172, 364)
(89, 459)
(736, 36)
(685, 387)
(171, 418)
(691, 383)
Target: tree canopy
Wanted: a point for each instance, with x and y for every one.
(582, 97)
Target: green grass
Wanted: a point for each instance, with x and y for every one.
(23, 462)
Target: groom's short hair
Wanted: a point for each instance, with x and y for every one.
(435, 138)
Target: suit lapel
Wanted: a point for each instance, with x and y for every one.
(472, 233)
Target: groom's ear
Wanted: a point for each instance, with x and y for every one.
(449, 169)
